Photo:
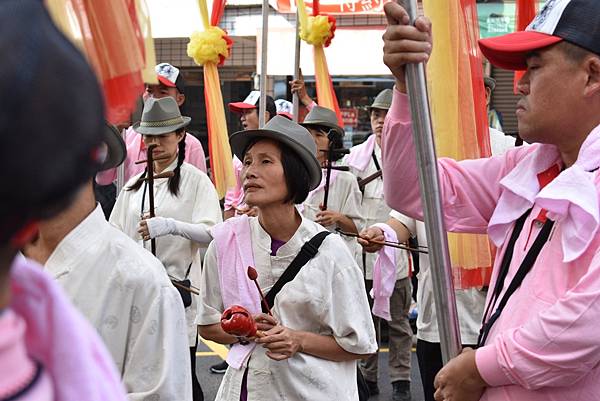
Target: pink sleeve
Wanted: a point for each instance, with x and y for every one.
(194, 153)
(132, 142)
(232, 197)
(470, 188)
(106, 177)
(555, 347)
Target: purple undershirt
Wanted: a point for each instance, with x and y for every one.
(275, 245)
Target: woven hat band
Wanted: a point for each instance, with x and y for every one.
(163, 123)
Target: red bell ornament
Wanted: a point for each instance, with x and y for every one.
(237, 321)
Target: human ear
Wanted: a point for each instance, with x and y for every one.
(592, 68)
(180, 99)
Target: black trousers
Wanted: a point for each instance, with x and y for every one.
(198, 395)
(429, 356)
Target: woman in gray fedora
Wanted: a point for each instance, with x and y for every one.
(344, 199)
(188, 199)
(307, 349)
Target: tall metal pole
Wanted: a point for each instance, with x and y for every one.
(262, 106)
(295, 98)
(439, 255)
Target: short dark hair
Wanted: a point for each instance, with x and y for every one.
(271, 107)
(574, 52)
(297, 177)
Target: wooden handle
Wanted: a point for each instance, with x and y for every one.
(382, 243)
(183, 287)
(363, 182)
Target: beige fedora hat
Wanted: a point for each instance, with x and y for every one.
(323, 117)
(383, 100)
(283, 130)
(160, 116)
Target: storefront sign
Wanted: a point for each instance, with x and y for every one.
(350, 117)
(334, 6)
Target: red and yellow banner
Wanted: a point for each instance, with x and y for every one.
(318, 30)
(116, 38)
(333, 6)
(458, 109)
(210, 48)
(525, 13)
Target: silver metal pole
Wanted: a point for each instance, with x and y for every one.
(439, 255)
(295, 98)
(262, 106)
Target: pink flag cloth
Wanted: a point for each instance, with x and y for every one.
(384, 274)
(360, 156)
(571, 198)
(234, 254)
(234, 198)
(60, 339)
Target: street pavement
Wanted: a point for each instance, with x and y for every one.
(210, 353)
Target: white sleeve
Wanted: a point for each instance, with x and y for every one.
(160, 226)
(409, 222)
(118, 214)
(207, 209)
(350, 322)
(210, 306)
(351, 207)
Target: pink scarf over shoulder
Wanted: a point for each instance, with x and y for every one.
(360, 155)
(571, 199)
(384, 274)
(233, 240)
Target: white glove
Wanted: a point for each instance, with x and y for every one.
(160, 226)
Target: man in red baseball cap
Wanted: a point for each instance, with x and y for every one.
(248, 110)
(540, 205)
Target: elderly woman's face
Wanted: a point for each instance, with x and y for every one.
(263, 178)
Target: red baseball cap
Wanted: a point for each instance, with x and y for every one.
(170, 76)
(574, 21)
(252, 102)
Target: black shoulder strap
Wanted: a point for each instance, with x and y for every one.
(515, 283)
(377, 165)
(307, 252)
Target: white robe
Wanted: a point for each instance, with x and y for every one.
(375, 210)
(197, 202)
(124, 292)
(327, 297)
(344, 198)
(469, 302)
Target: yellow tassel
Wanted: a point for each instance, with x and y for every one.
(316, 31)
(207, 46)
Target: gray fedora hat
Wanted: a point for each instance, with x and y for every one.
(283, 130)
(323, 117)
(383, 100)
(160, 116)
